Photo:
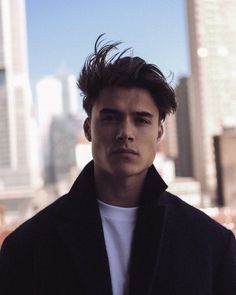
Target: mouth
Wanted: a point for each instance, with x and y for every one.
(125, 151)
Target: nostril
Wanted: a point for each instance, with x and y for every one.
(130, 138)
(119, 137)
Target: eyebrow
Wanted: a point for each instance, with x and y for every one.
(144, 114)
(116, 112)
(109, 111)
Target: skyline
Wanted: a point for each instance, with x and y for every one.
(61, 35)
(212, 89)
(45, 60)
(19, 165)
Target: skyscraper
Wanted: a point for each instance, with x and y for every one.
(212, 43)
(49, 101)
(18, 153)
(59, 125)
(183, 162)
(64, 135)
(225, 146)
(70, 94)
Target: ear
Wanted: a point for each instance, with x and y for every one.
(87, 129)
(161, 133)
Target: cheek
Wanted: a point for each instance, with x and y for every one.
(151, 145)
(150, 138)
(102, 135)
(101, 138)
(152, 148)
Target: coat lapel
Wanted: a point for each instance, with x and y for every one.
(162, 276)
(150, 240)
(146, 251)
(80, 228)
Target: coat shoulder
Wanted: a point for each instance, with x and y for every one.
(194, 219)
(42, 222)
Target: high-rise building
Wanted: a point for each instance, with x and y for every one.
(212, 43)
(59, 125)
(169, 144)
(18, 151)
(183, 162)
(49, 106)
(64, 135)
(56, 96)
(69, 94)
(225, 146)
(49, 101)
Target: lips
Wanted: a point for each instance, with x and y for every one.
(125, 151)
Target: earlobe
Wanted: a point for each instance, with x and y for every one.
(87, 129)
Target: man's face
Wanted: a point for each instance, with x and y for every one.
(124, 129)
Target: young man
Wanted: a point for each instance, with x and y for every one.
(118, 231)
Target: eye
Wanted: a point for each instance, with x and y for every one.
(142, 120)
(109, 118)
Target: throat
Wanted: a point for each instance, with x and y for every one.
(124, 192)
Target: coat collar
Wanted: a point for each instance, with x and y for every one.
(81, 230)
(82, 198)
(148, 234)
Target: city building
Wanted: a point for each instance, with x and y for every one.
(19, 165)
(59, 124)
(49, 103)
(183, 161)
(188, 189)
(56, 95)
(83, 153)
(225, 147)
(167, 151)
(49, 100)
(64, 134)
(69, 94)
(169, 143)
(212, 44)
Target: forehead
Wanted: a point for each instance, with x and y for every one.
(126, 99)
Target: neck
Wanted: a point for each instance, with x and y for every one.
(122, 192)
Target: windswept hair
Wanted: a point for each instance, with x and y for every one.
(102, 69)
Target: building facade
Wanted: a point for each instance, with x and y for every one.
(64, 135)
(18, 140)
(59, 125)
(225, 146)
(183, 162)
(212, 44)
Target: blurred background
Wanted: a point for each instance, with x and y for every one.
(43, 45)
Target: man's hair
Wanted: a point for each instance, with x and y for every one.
(101, 70)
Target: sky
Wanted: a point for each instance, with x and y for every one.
(61, 33)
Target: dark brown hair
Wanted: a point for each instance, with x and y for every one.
(101, 70)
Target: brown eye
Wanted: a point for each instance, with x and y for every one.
(141, 120)
(109, 119)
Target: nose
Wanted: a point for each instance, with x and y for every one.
(125, 131)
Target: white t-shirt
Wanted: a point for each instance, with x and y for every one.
(118, 226)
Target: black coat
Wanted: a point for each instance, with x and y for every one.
(176, 250)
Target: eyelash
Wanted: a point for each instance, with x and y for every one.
(137, 120)
(109, 119)
(142, 121)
